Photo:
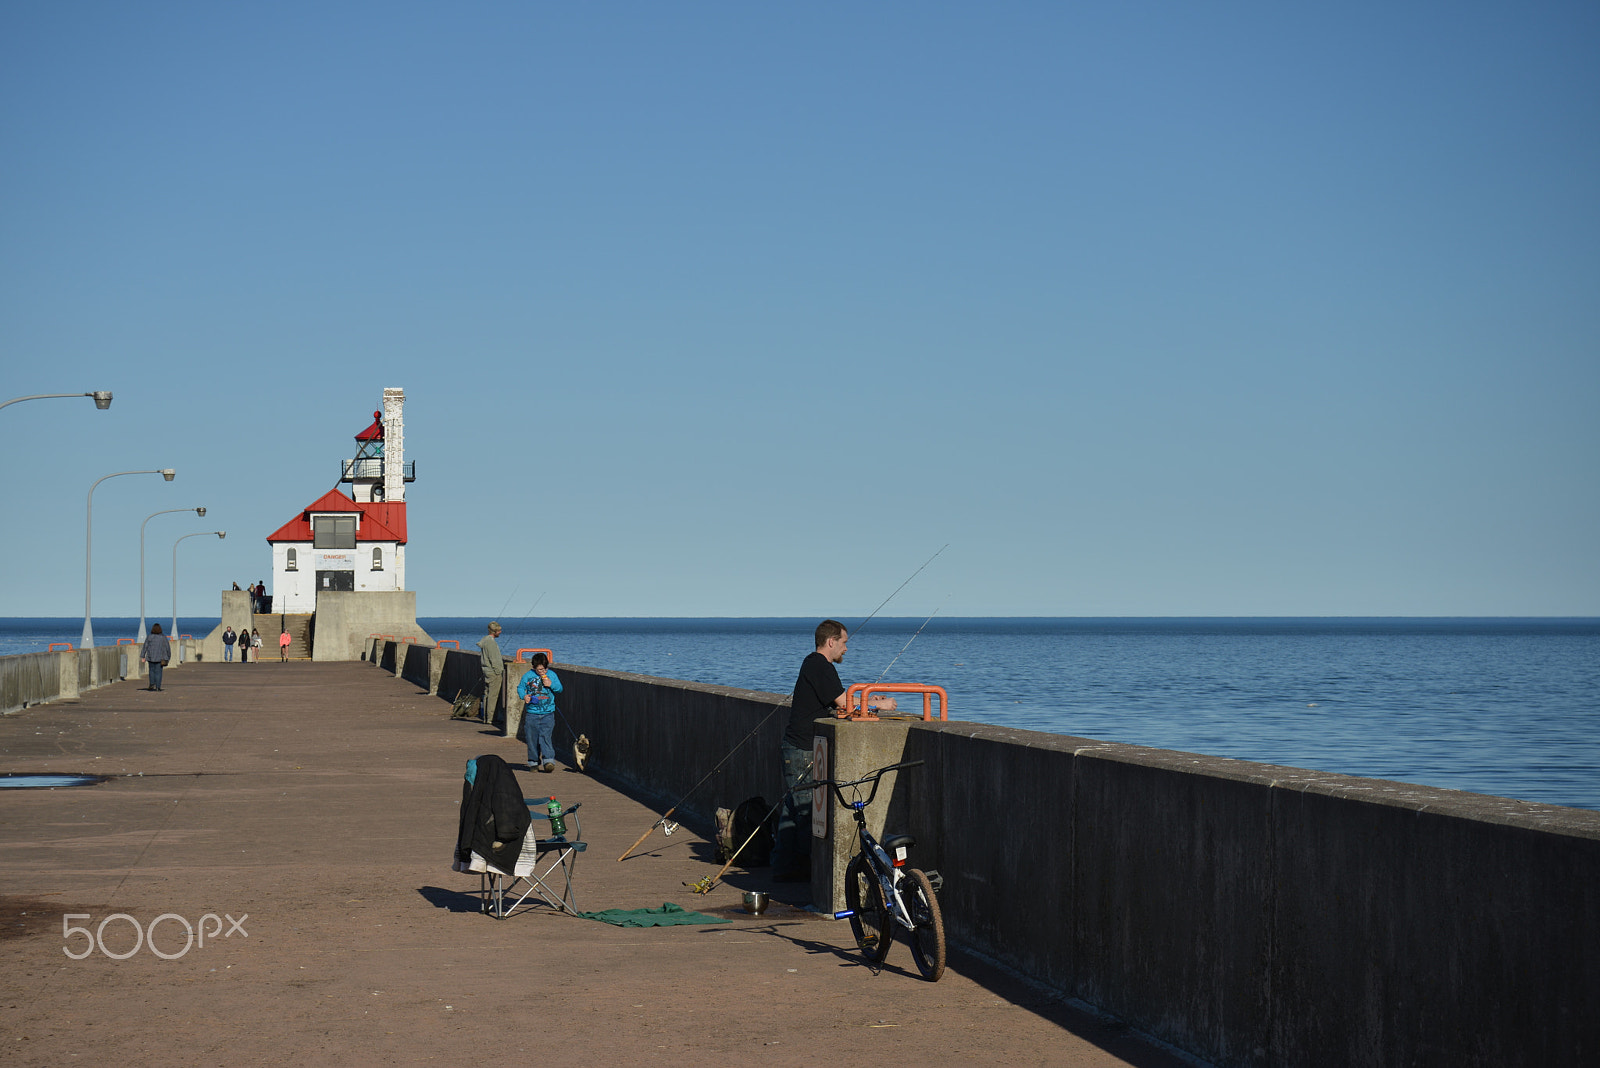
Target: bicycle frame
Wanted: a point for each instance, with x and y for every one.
(888, 870)
(882, 865)
(904, 898)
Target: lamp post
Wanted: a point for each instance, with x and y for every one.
(201, 534)
(102, 398)
(88, 543)
(201, 512)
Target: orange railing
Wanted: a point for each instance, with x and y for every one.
(546, 652)
(447, 641)
(409, 638)
(59, 645)
(856, 698)
(126, 641)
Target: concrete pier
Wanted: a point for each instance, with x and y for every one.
(316, 805)
(1256, 916)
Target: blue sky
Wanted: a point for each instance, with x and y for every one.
(747, 309)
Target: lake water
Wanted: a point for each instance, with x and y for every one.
(1499, 706)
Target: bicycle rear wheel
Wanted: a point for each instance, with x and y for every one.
(869, 915)
(927, 937)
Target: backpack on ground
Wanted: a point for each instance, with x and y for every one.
(753, 816)
(466, 706)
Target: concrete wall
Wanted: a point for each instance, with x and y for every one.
(658, 735)
(344, 622)
(235, 614)
(662, 736)
(1253, 915)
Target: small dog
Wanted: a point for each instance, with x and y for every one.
(580, 752)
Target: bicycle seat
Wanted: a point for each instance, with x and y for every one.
(898, 841)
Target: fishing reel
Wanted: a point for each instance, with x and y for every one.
(702, 886)
(667, 827)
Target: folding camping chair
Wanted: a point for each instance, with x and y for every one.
(543, 870)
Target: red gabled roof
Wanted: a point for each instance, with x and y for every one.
(380, 521)
(373, 432)
(333, 501)
(390, 515)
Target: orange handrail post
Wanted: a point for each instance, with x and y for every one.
(857, 697)
(126, 641)
(59, 645)
(442, 642)
(409, 638)
(547, 652)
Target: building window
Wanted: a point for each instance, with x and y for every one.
(333, 532)
(293, 563)
(377, 559)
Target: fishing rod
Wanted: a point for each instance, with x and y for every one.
(531, 607)
(665, 819)
(513, 593)
(900, 587)
(709, 883)
(907, 645)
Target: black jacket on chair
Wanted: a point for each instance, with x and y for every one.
(494, 818)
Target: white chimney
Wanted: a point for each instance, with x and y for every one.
(394, 445)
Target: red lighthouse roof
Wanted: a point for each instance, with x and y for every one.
(380, 520)
(373, 432)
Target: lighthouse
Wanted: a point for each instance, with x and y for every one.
(339, 564)
(353, 543)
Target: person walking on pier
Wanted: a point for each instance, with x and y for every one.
(283, 646)
(817, 692)
(228, 638)
(538, 690)
(155, 652)
(494, 671)
(255, 645)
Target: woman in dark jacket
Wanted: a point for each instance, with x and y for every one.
(156, 652)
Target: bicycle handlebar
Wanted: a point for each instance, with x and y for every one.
(873, 778)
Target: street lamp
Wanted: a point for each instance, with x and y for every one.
(102, 398)
(201, 512)
(201, 534)
(88, 542)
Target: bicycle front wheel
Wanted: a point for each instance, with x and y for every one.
(869, 915)
(927, 933)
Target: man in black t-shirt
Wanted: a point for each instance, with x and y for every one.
(817, 692)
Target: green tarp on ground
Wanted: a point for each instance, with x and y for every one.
(668, 915)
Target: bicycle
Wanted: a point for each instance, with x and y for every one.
(879, 890)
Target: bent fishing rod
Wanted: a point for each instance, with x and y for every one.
(666, 817)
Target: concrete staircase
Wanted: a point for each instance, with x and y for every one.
(270, 626)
